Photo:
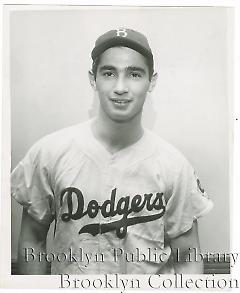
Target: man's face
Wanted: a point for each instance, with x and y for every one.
(122, 83)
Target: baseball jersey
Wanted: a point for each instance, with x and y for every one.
(113, 213)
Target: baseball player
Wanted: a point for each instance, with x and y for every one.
(121, 199)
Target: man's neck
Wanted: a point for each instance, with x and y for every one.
(117, 135)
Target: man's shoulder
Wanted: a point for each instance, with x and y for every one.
(60, 140)
(76, 131)
(165, 150)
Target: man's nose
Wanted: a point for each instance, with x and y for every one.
(120, 86)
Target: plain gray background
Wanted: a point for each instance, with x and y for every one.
(49, 61)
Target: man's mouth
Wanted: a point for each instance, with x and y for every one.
(120, 101)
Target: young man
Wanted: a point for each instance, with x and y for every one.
(123, 200)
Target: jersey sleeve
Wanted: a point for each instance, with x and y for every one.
(30, 185)
(188, 201)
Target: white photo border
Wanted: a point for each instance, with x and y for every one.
(10, 281)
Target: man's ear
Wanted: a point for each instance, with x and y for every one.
(153, 82)
(92, 79)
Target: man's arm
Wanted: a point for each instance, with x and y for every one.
(182, 244)
(33, 235)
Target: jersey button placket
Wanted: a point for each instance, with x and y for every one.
(100, 236)
(111, 184)
(109, 181)
(104, 246)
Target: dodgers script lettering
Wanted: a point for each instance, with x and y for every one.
(110, 208)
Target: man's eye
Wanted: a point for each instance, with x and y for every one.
(108, 74)
(135, 75)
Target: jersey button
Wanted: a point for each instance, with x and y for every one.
(112, 159)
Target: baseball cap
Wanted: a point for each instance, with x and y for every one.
(123, 37)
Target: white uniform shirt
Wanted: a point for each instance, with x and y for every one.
(116, 208)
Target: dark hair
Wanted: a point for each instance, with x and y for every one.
(97, 60)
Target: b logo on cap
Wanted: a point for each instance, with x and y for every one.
(121, 32)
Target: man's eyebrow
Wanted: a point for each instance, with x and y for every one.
(129, 68)
(107, 67)
(136, 68)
